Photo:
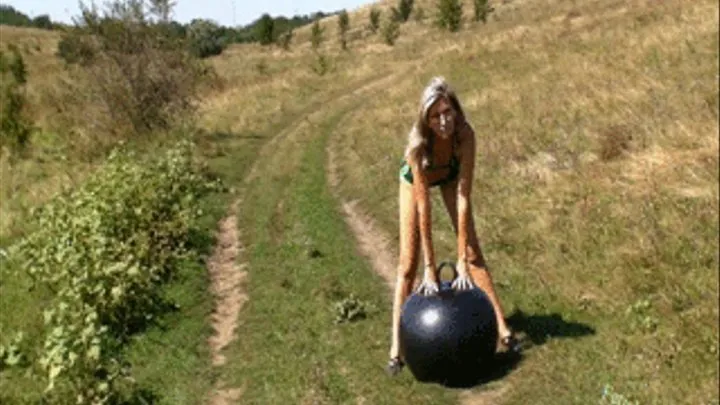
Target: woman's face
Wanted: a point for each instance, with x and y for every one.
(441, 117)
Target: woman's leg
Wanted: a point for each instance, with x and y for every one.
(476, 260)
(408, 260)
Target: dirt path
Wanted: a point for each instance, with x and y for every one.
(374, 243)
(226, 274)
(226, 277)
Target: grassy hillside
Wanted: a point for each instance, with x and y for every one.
(596, 199)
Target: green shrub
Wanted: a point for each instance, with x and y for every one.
(321, 65)
(286, 39)
(482, 10)
(104, 251)
(15, 128)
(391, 31)
(316, 35)
(137, 73)
(73, 49)
(205, 39)
(374, 20)
(404, 9)
(450, 14)
(343, 26)
(265, 30)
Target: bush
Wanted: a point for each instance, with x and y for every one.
(374, 20)
(74, 50)
(343, 26)
(391, 31)
(450, 14)
(482, 10)
(265, 30)
(316, 35)
(286, 39)
(104, 251)
(405, 8)
(137, 74)
(321, 65)
(15, 128)
(42, 22)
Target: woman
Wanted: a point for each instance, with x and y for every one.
(440, 152)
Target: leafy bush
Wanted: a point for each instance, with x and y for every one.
(73, 50)
(265, 30)
(391, 31)
(286, 39)
(205, 39)
(104, 251)
(482, 10)
(450, 14)
(321, 65)
(316, 35)
(343, 26)
(15, 128)
(374, 20)
(136, 74)
(405, 8)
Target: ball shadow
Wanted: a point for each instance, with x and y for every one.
(538, 329)
(495, 369)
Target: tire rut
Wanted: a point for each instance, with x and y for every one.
(226, 274)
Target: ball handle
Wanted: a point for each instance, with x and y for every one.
(452, 267)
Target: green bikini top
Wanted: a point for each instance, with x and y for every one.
(454, 166)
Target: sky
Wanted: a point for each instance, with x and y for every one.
(226, 12)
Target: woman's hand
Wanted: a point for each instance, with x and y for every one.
(429, 285)
(463, 281)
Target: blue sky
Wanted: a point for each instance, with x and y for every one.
(185, 10)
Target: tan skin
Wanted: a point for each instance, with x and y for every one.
(416, 222)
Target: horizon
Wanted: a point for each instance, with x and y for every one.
(224, 12)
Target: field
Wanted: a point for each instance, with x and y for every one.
(596, 200)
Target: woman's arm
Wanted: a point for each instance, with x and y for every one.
(421, 190)
(467, 168)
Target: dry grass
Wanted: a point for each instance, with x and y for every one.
(597, 176)
(597, 183)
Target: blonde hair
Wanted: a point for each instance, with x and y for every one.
(417, 149)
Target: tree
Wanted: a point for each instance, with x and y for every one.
(391, 31)
(265, 29)
(43, 22)
(286, 39)
(404, 9)
(450, 14)
(482, 10)
(15, 128)
(316, 36)
(343, 26)
(10, 16)
(162, 9)
(374, 20)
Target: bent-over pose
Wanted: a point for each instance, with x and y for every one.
(440, 153)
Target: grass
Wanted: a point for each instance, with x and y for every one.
(596, 201)
(291, 350)
(577, 219)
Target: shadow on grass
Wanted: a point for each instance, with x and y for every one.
(540, 328)
(537, 330)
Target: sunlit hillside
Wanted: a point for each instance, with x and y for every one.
(596, 198)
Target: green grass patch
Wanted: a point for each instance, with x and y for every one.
(303, 280)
